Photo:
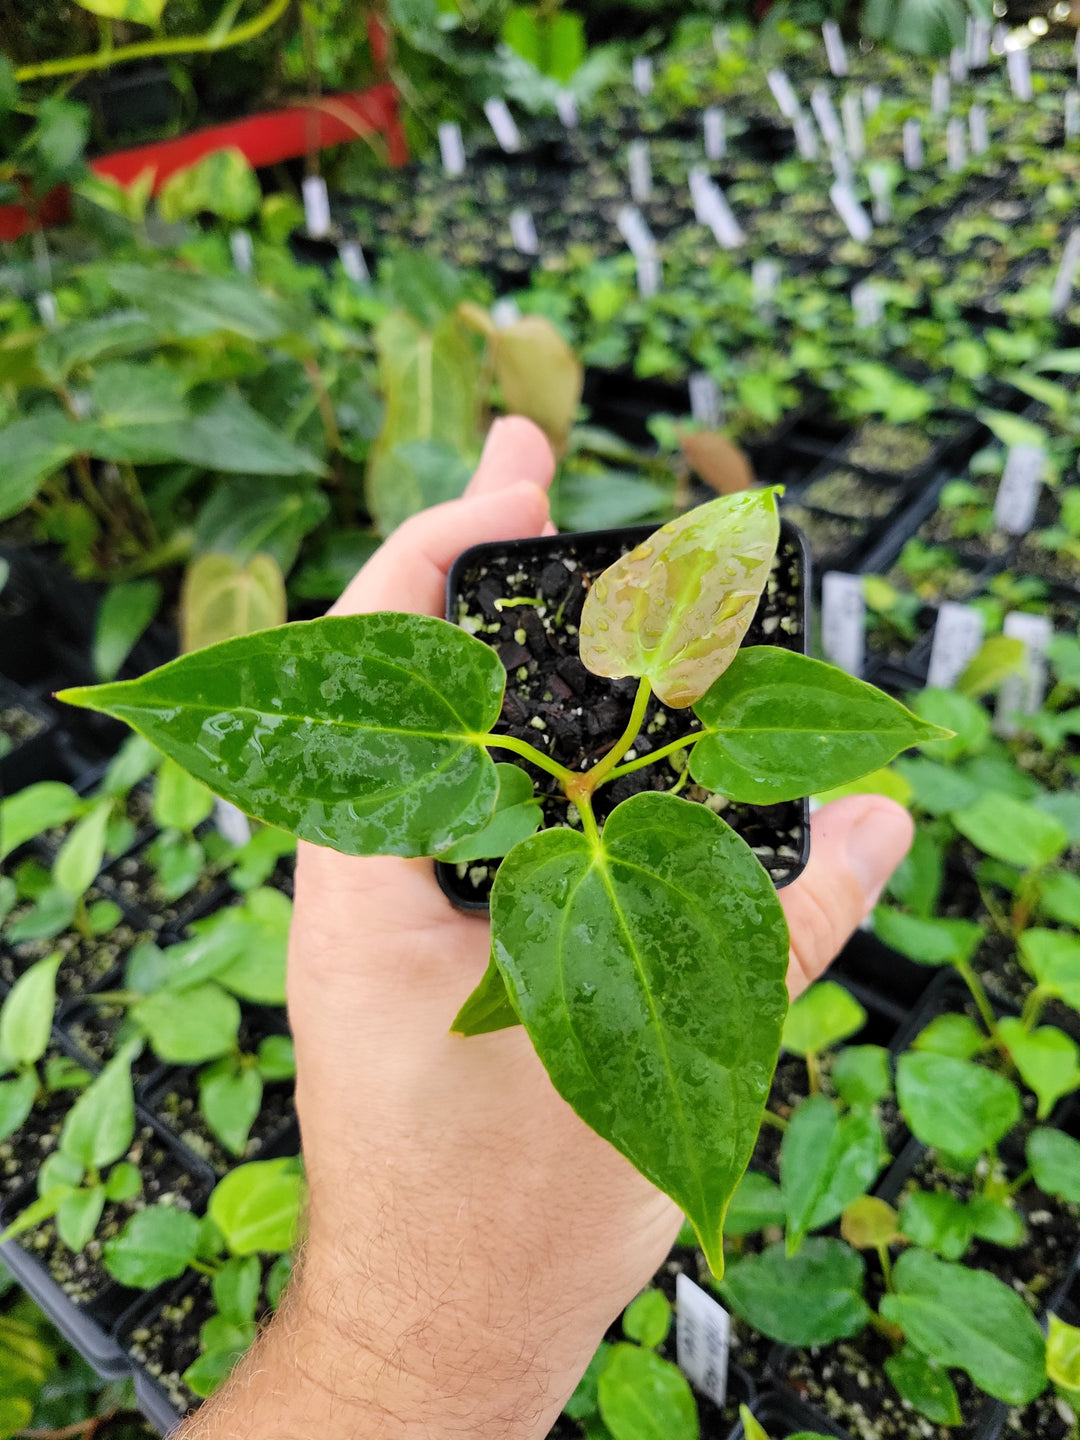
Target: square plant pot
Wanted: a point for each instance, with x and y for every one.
(552, 701)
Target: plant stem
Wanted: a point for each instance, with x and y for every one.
(656, 755)
(1018, 1184)
(891, 1332)
(886, 1266)
(146, 49)
(975, 985)
(588, 820)
(601, 771)
(777, 1122)
(1033, 1006)
(813, 1070)
(530, 753)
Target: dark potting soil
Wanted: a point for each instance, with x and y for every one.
(848, 493)
(86, 961)
(83, 1276)
(17, 726)
(890, 449)
(138, 805)
(24, 1152)
(831, 537)
(134, 883)
(169, 1341)
(1046, 1418)
(561, 708)
(97, 1031)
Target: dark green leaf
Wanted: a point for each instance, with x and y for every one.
(757, 1202)
(190, 305)
(261, 515)
(938, 1221)
(1054, 1158)
(229, 1100)
(664, 1047)
(807, 1299)
(517, 816)
(406, 775)
(126, 611)
(924, 1385)
(826, 1161)
(954, 1105)
(34, 449)
(124, 332)
(157, 1244)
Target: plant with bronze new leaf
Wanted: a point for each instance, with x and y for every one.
(646, 960)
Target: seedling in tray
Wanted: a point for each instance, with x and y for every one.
(646, 960)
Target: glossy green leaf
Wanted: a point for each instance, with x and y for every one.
(157, 1244)
(643, 1397)
(78, 1216)
(1054, 1158)
(954, 1105)
(648, 1318)
(488, 1008)
(101, 1124)
(757, 1202)
(665, 1046)
(927, 941)
(1053, 957)
(924, 1385)
(948, 1034)
(187, 1029)
(190, 305)
(236, 1289)
(517, 816)
(126, 611)
(1047, 1059)
(821, 1017)
(272, 722)
(807, 1299)
(80, 856)
(970, 1320)
(826, 1161)
(675, 609)
(180, 802)
(860, 1074)
(229, 1100)
(26, 1016)
(16, 1102)
(257, 1206)
(1012, 831)
(779, 725)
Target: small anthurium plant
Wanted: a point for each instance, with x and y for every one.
(646, 961)
(754, 1430)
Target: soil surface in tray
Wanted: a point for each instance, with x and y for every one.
(22, 1154)
(562, 709)
(134, 883)
(86, 962)
(17, 726)
(1046, 1418)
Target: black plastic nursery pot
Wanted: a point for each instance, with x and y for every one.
(524, 599)
(30, 740)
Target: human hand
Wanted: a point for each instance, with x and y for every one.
(470, 1239)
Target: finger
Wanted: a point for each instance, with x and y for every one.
(515, 450)
(856, 844)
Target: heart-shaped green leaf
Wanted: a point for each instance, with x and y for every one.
(257, 1206)
(100, 1125)
(779, 725)
(1013, 831)
(156, 1244)
(1053, 957)
(1054, 1158)
(826, 1161)
(925, 1385)
(517, 816)
(806, 1299)
(648, 969)
(1047, 1059)
(676, 608)
(954, 1105)
(361, 732)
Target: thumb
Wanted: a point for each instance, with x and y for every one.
(856, 844)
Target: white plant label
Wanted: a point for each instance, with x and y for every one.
(636, 233)
(851, 110)
(242, 248)
(881, 190)
(640, 167)
(1000, 39)
(955, 144)
(1018, 493)
(702, 1338)
(566, 105)
(805, 136)
(868, 305)
(764, 281)
(826, 116)
(1066, 274)
(316, 207)
(452, 148)
(841, 164)
(940, 93)
(843, 621)
(1024, 694)
(871, 100)
(523, 232)
(48, 309)
(648, 276)
(231, 822)
(715, 133)
(1072, 114)
(834, 48)
(711, 208)
(705, 400)
(958, 67)
(1019, 65)
(353, 262)
(957, 637)
(978, 47)
(502, 123)
(851, 212)
(978, 130)
(720, 39)
(504, 313)
(783, 94)
(643, 76)
(913, 146)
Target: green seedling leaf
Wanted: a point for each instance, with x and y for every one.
(34, 810)
(54, 912)
(924, 1385)
(277, 1058)
(779, 725)
(917, 880)
(224, 597)
(969, 1320)
(37, 1212)
(59, 1170)
(675, 609)
(126, 611)
(1053, 957)
(258, 971)
(180, 802)
(929, 942)
(124, 332)
(938, 1221)
(26, 1017)
(1063, 1359)
(996, 1221)
(517, 816)
(135, 759)
(34, 449)
(582, 934)
(643, 1397)
(860, 1074)
(1054, 1158)
(1048, 1061)
(826, 1161)
(255, 862)
(80, 857)
(887, 782)
(821, 1017)
(142, 12)
(968, 720)
(9, 896)
(257, 1206)
(956, 1035)
(177, 861)
(807, 1299)
(200, 1024)
(100, 1126)
(377, 724)
(103, 916)
(236, 1289)
(16, 1102)
(648, 1319)
(751, 1429)
(230, 1101)
(938, 789)
(757, 1202)
(124, 1182)
(999, 657)
(869, 1223)
(1012, 831)
(210, 1371)
(954, 1105)
(78, 1216)
(488, 1008)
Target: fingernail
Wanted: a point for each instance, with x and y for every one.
(877, 843)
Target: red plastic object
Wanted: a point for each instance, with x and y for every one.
(262, 139)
